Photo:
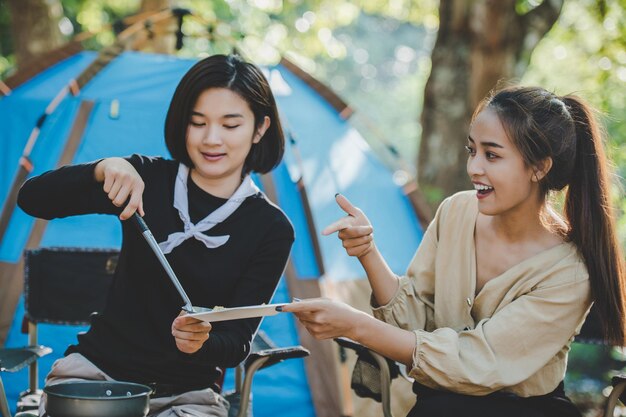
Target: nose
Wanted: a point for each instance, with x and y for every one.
(475, 166)
(213, 136)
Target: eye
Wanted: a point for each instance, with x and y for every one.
(471, 151)
(196, 124)
(491, 155)
(231, 126)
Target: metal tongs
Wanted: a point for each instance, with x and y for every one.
(147, 234)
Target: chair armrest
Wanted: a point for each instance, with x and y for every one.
(276, 355)
(619, 386)
(14, 359)
(618, 379)
(369, 355)
(350, 344)
(372, 374)
(262, 359)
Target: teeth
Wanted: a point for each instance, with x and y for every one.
(481, 187)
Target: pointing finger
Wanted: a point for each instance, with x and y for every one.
(346, 206)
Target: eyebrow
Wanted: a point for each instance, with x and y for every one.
(486, 144)
(226, 116)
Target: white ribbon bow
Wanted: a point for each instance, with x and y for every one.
(181, 203)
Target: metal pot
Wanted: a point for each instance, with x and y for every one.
(97, 399)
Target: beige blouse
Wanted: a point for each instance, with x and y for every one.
(513, 336)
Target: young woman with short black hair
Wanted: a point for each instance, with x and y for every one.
(227, 243)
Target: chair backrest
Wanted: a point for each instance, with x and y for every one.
(67, 285)
(64, 286)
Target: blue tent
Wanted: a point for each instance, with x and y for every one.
(130, 95)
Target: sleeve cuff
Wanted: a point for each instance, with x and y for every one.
(402, 281)
(417, 351)
(92, 168)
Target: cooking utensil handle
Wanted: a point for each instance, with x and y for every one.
(147, 234)
(141, 224)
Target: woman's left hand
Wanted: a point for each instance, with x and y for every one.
(190, 333)
(326, 319)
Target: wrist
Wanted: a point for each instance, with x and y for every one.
(98, 171)
(369, 254)
(361, 323)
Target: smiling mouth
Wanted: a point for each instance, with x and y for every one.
(482, 189)
(211, 156)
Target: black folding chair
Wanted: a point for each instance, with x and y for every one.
(68, 286)
(13, 360)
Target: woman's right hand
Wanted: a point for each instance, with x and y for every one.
(121, 181)
(357, 235)
(354, 230)
(326, 319)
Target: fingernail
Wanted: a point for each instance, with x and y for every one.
(336, 195)
(295, 300)
(279, 308)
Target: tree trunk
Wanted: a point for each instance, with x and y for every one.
(35, 27)
(164, 41)
(479, 43)
(153, 5)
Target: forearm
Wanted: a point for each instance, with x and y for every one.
(383, 281)
(390, 341)
(59, 193)
(226, 348)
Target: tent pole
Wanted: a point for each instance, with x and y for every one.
(321, 366)
(105, 56)
(11, 276)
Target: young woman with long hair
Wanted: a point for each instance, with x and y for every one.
(501, 283)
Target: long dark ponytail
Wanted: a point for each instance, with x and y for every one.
(543, 125)
(592, 227)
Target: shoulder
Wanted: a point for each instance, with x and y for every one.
(138, 160)
(270, 214)
(461, 201)
(458, 208)
(563, 265)
(148, 166)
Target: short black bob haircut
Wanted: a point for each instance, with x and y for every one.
(245, 79)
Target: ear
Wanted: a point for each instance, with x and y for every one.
(541, 169)
(260, 131)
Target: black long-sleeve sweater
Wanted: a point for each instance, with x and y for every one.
(131, 339)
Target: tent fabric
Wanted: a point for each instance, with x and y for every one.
(334, 158)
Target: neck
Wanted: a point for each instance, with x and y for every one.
(223, 187)
(520, 224)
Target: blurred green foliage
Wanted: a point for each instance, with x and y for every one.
(376, 55)
(6, 48)
(585, 54)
